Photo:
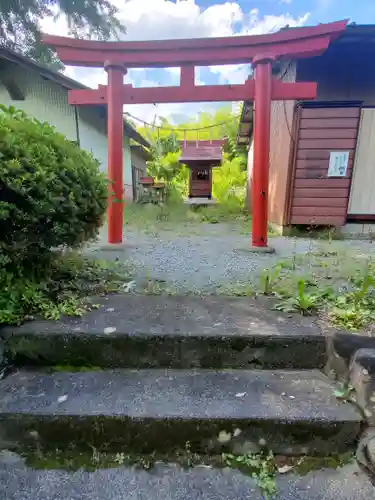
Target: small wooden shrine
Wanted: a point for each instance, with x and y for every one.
(152, 192)
(200, 157)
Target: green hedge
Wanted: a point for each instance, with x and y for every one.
(51, 192)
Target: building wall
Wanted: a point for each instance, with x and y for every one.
(250, 162)
(300, 191)
(48, 101)
(92, 134)
(138, 162)
(362, 199)
(315, 197)
(282, 113)
(350, 77)
(139, 170)
(44, 100)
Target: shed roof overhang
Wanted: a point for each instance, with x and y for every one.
(358, 40)
(245, 128)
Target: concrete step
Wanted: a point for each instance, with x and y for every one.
(171, 332)
(169, 482)
(240, 411)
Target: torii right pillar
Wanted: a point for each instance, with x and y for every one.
(262, 131)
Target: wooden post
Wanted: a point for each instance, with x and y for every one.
(262, 130)
(115, 151)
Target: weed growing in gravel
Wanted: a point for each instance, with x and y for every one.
(261, 467)
(238, 289)
(158, 287)
(69, 279)
(269, 278)
(304, 302)
(177, 217)
(338, 285)
(356, 308)
(315, 232)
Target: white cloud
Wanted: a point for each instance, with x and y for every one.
(255, 25)
(232, 73)
(163, 19)
(270, 23)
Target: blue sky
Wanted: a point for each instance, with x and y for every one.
(321, 11)
(161, 19)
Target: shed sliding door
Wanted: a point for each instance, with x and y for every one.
(362, 193)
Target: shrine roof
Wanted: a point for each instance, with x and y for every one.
(201, 153)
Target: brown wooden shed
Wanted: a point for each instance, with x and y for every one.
(315, 196)
(322, 153)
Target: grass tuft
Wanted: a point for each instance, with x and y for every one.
(68, 280)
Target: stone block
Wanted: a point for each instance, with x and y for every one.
(2, 352)
(362, 378)
(342, 347)
(366, 450)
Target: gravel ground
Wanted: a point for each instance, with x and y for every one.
(207, 255)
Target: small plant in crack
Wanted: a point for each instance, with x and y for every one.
(344, 392)
(187, 457)
(147, 462)
(269, 278)
(261, 467)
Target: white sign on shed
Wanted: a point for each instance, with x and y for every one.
(338, 163)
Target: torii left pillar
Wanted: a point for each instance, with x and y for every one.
(115, 119)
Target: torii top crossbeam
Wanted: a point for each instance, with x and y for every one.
(293, 42)
(260, 50)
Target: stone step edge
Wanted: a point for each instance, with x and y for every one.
(169, 482)
(132, 350)
(150, 410)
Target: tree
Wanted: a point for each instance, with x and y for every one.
(218, 125)
(20, 24)
(165, 165)
(228, 181)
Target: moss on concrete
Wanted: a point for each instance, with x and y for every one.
(73, 368)
(149, 351)
(304, 465)
(91, 459)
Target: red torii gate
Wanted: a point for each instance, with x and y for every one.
(260, 50)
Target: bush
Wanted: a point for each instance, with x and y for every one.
(52, 193)
(229, 185)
